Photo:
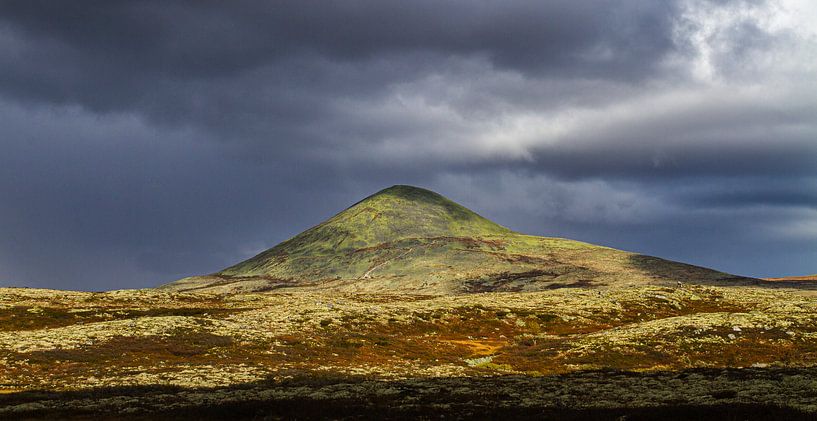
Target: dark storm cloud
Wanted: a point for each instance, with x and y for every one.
(253, 61)
(201, 39)
(117, 203)
(143, 141)
(798, 194)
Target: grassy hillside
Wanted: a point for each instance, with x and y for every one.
(394, 214)
(408, 239)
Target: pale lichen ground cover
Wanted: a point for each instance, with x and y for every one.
(254, 346)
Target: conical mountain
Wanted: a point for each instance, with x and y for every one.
(392, 214)
(408, 239)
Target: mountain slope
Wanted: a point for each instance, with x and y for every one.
(408, 239)
(394, 214)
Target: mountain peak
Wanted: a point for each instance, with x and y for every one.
(409, 193)
(414, 211)
(396, 213)
(401, 195)
(409, 239)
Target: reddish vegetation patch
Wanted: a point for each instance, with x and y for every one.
(526, 340)
(793, 278)
(479, 347)
(31, 318)
(125, 350)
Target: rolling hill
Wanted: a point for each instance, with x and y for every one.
(806, 278)
(405, 239)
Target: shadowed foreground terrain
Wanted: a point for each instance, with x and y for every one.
(685, 352)
(709, 394)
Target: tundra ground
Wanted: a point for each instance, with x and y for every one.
(570, 352)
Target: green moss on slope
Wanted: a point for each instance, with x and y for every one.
(394, 214)
(410, 239)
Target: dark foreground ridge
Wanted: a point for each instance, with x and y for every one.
(732, 394)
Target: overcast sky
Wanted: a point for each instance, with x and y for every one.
(141, 142)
